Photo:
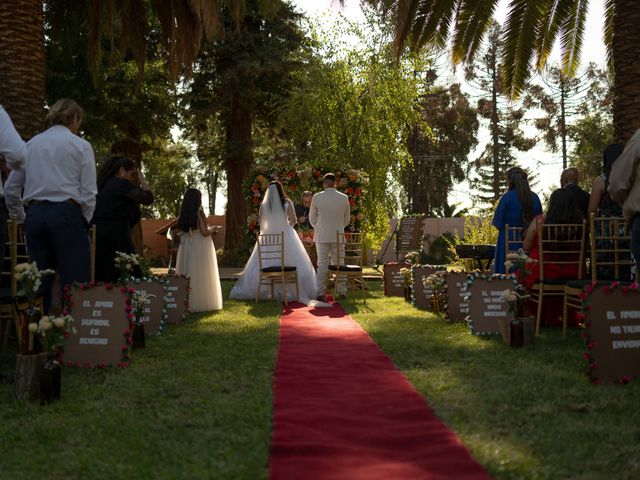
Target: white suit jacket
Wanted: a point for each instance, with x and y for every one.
(329, 214)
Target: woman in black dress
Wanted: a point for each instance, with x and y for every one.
(117, 209)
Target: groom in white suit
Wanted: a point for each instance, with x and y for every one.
(329, 213)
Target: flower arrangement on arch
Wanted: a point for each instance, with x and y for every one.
(53, 332)
(125, 262)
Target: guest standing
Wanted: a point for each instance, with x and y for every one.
(196, 257)
(600, 201)
(516, 208)
(121, 189)
(569, 181)
(624, 186)
(59, 182)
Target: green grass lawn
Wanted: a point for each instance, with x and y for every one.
(196, 403)
(523, 413)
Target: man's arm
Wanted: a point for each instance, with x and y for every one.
(88, 186)
(624, 169)
(11, 145)
(347, 212)
(313, 212)
(13, 194)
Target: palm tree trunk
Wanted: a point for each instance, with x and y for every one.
(626, 66)
(22, 63)
(238, 159)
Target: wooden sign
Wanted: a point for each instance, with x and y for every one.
(155, 312)
(392, 280)
(612, 335)
(422, 293)
(102, 328)
(409, 234)
(457, 307)
(486, 307)
(176, 298)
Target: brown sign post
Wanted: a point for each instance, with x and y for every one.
(155, 312)
(421, 292)
(392, 279)
(485, 304)
(612, 320)
(102, 328)
(457, 306)
(177, 298)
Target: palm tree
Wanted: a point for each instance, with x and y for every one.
(531, 29)
(183, 25)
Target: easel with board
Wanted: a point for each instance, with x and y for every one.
(408, 237)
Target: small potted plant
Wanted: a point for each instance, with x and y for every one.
(52, 332)
(406, 276)
(125, 263)
(437, 283)
(139, 301)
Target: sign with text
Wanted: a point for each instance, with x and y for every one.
(409, 234)
(457, 306)
(100, 320)
(613, 334)
(486, 306)
(421, 292)
(393, 281)
(153, 319)
(176, 298)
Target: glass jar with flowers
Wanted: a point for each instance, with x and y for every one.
(139, 301)
(125, 263)
(406, 276)
(53, 333)
(29, 279)
(436, 281)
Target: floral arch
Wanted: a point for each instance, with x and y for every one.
(296, 180)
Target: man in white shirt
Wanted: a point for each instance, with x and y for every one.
(329, 214)
(59, 196)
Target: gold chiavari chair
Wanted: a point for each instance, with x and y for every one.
(272, 269)
(349, 262)
(513, 238)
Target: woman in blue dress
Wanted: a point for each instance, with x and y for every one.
(516, 208)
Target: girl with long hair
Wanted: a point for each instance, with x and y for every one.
(121, 191)
(516, 208)
(196, 257)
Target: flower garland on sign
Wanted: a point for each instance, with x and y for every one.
(586, 323)
(445, 307)
(125, 358)
(484, 276)
(296, 180)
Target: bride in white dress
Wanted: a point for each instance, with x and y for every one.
(196, 257)
(277, 214)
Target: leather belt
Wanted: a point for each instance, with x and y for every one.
(49, 202)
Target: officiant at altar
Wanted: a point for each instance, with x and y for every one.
(302, 211)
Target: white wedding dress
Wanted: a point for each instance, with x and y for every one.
(197, 260)
(274, 219)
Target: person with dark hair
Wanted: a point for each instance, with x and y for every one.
(562, 210)
(117, 210)
(59, 195)
(600, 201)
(302, 211)
(196, 257)
(516, 208)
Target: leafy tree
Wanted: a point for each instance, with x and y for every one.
(356, 108)
(244, 78)
(531, 29)
(504, 121)
(439, 155)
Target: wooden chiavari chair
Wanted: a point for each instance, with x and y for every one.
(272, 269)
(349, 262)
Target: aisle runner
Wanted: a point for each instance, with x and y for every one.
(343, 411)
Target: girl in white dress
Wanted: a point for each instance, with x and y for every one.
(277, 214)
(196, 257)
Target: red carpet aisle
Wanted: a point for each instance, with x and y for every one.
(343, 411)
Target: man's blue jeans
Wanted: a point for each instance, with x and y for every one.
(57, 238)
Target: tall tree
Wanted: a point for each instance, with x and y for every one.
(531, 29)
(439, 155)
(503, 119)
(243, 78)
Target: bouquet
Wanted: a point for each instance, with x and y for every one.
(519, 260)
(53, 332)
(29, 279)
(436, 281)
(139, 301)
(515, 300)
(125, 262)
(413, 257)
(406, 275)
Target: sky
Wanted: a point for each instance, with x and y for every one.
(547, 165)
